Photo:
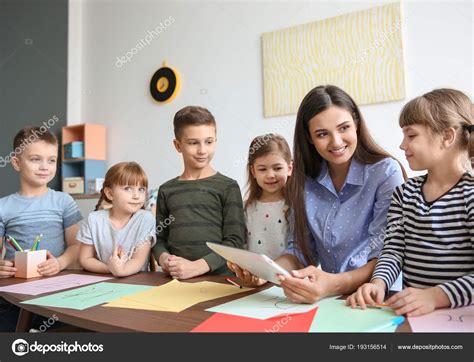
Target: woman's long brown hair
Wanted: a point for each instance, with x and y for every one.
(307, 161)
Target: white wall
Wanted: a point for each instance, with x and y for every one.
(217, 48)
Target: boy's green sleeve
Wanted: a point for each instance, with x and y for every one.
(233, 225)
(162, 232)
(2, 238)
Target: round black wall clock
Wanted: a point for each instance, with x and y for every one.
(165, 84)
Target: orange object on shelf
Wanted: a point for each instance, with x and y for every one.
(93, 136)
(86, 147)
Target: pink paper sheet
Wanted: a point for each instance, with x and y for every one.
(445, 320)
(52, 284)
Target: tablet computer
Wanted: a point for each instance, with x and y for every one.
(259, 265)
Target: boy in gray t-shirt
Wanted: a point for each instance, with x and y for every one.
(25, 217)
(35, 209)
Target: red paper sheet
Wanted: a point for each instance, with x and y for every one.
(220, 322)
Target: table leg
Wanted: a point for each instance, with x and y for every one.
(24, 321)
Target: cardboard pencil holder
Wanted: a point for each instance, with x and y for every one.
(26, 263)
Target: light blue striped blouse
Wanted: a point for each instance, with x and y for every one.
(347, 228)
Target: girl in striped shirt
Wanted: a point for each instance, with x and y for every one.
(430, 229)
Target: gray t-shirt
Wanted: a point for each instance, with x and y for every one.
(26, 217)
(99, 231)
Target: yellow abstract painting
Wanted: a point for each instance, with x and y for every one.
(360, 52)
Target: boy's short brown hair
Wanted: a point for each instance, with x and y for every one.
(192, 116)
(29, 135)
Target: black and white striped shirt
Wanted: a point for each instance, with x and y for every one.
(431, 242)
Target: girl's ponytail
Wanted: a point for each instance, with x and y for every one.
(102, 198)
(470, 146)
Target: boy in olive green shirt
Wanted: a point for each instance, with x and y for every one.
(200, 205)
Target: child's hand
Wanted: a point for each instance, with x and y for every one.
(368, 293)
(414, 302)
(117, 260)
(245, 276)
(163, 261)
(7, 268)
(307, 285)
(49, 267)
(181, 268)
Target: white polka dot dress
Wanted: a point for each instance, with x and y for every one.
(267, 228)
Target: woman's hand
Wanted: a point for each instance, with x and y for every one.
(307, 285)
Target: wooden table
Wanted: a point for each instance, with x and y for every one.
(102, 319)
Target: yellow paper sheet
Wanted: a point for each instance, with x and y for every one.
(175, 296)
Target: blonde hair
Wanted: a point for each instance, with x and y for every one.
(441, 109)
(122, 174)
